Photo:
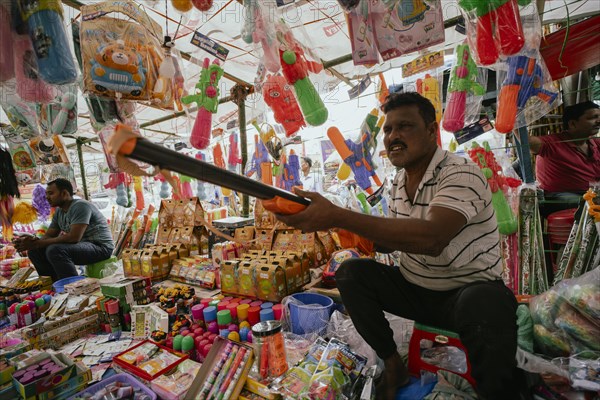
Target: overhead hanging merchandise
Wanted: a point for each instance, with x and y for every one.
(121, 57)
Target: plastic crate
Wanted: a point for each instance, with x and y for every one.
(59, 286)
(128, 379)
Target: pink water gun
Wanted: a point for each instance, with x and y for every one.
(233, 158)
(463, 80)
(207, 99)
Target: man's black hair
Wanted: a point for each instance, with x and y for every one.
(62, 184)
(396, 100)
(308, 161)
(574, 112)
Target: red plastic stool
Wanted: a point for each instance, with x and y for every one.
(447, 338)
(559, 226)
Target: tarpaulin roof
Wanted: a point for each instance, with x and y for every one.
(319, 24)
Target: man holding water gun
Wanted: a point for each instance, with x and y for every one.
(449, 268)
(567, 162)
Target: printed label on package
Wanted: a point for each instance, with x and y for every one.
(210, 46)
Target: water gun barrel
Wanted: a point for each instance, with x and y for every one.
(487, 51)
(454, 116)
(507, 223)
(510, 30)
(274, 199)
(507, 108)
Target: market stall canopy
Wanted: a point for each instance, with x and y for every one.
(320, 25)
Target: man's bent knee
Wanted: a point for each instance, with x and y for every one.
(351, 269)
(56, 250)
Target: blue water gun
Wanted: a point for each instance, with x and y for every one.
(291, 172)
(523, 81)
(260, 163)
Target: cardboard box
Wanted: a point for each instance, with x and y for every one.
(270, 282)
(211, 361)
(246, 279)
(229, 277)
(48, 383)
(120, 361)
(146, 319)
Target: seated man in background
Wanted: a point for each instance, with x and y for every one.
(567, 162)
(78, 235)
(449, 274)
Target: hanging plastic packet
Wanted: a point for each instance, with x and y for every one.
(465, 91)
(101, 109)
(60, 117)
(44, 19)
(259, 29)
(124, 64)
(296, 381)
(337, 371)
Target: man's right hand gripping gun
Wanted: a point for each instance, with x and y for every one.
(523, 81)
(484, 158)
(354, 155)
(463, 80)
(207, 99)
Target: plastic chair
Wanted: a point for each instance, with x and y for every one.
(95, 270)
(436, 335)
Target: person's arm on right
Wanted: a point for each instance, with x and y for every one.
(535, 144)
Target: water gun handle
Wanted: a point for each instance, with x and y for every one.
(454, 116)
(507, 108)
(280, 205)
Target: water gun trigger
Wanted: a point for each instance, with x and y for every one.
(279, 205)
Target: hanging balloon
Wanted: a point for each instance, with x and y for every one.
(182, 5)
(203, 5)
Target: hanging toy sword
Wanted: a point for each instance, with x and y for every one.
(125, 143)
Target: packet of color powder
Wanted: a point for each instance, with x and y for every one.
(337, 371)
(296, 381)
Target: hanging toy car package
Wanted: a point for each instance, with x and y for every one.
(121, 55)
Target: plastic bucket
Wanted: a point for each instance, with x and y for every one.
(59, 286)
(309, 312)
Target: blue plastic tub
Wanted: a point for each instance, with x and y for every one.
(125, 378)
(59, 286)
(309, 312)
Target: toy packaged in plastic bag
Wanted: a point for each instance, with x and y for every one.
(296, 381)
(465, 91)
(44, 19)
(60, 117)
(494, 28)
(259, 29)
(337, 371)
(121, 57)
(526, 91)
(406, 26)
(49, 150)
(566, 316)
(101, 109)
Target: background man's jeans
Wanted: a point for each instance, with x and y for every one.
(59, 260)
